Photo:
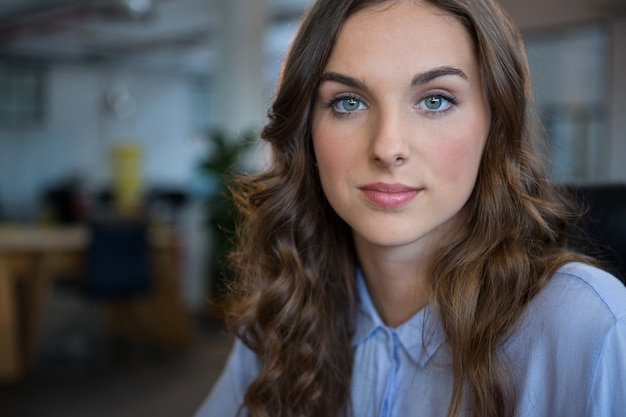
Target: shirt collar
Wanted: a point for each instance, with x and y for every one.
(423, 326)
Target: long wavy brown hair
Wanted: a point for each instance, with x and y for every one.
(294, 299)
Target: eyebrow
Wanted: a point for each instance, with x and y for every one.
(342, 79)
(428, 76)
(418, 79)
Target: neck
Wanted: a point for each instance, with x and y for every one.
(398, 287)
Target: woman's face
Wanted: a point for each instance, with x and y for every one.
(399, 125)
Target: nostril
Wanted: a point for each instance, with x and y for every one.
(389, 161)
(399, 160)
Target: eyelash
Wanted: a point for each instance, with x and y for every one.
(449, 98)
(331, 104)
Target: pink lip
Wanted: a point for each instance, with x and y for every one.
(389, 195)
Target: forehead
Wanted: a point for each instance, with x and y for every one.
(400, 35)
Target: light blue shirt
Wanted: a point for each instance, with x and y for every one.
(567, 357)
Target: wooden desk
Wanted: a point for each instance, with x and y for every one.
(30, 258)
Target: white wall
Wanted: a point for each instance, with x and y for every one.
(79, 132)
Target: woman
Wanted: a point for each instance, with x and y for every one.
(405, 255)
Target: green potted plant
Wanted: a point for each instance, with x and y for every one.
(222, 162)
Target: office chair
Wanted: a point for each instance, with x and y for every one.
(603, 225)
(118, 263)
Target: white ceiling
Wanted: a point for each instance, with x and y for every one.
(173, 34)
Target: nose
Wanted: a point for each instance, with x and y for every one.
(390, 140)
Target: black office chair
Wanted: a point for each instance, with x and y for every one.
(603, 225)
(118, 260)
(100, 306)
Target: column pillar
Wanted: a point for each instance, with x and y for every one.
(240, 102)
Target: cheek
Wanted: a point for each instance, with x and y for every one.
(336, 149)
(329, 157)
(458, 158)
(460, 153)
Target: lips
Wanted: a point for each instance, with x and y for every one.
(389, 195)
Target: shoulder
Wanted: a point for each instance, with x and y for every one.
(586, 289)
(579, 307)
(567, 353)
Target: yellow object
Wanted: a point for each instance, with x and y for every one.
(127, 179)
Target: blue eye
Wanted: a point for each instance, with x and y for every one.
(436, 103)
(347, 104)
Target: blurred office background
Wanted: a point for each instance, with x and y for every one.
(112, 108)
